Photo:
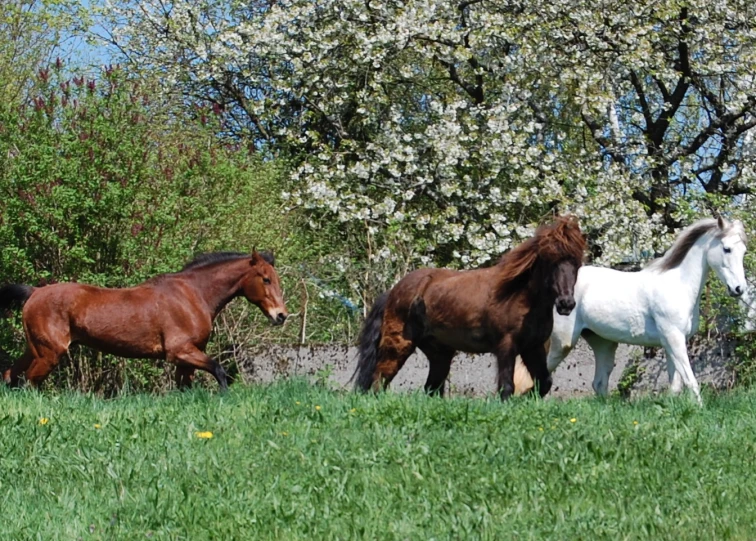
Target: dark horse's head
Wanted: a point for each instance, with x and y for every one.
(261, 286)
(554, 254)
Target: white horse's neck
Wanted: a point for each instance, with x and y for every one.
(692, 273)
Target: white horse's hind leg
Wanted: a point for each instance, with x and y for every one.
(604, 351)
(677, 350)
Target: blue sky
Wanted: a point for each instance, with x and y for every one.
(79, 51)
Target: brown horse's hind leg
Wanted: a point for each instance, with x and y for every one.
(41, 366)
(439, 360)
(13, 374)
(47, 338)
(184, 376)
(190, 357)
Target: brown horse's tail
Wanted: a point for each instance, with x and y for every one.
(13, 297)
(370, 339)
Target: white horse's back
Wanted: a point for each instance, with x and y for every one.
(619, 306)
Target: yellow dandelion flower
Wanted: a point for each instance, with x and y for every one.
(573, 420)
(317, 408)
(353, 410)
(297, 402)
(540, 428)
(98, 425)
(204, 435)
(284, 433)
(44, 421)
(635, 422)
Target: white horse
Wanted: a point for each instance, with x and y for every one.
(657, 306)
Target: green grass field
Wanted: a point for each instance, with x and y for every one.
(294, 461)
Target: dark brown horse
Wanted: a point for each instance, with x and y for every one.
(505, 309)
(167, 317)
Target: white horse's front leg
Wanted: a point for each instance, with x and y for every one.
(603, 351)
(677, 351)
(675, 379)
(563, 339)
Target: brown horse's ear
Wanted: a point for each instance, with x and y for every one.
(263, 255)
(268, 256)
(720, 222)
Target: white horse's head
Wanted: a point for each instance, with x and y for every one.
(725, 255)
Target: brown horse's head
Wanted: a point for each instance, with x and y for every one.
(561, 247)
(554, 254)
(261, 286)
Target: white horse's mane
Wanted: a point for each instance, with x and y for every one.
(684, 242)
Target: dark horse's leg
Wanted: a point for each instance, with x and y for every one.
(534, 359)
(190, 357)
(506, 353)
(439, 360)
(184, 376)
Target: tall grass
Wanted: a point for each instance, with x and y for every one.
(294, 461)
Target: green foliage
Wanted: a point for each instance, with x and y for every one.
(31, 33)
(294, 461)
(743, 364)
(99, 185)
(630, 376)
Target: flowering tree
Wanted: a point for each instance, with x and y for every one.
(452, 127)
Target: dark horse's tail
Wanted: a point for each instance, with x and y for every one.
(13, 297)
(370, 339)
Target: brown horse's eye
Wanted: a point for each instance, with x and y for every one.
(266, 280)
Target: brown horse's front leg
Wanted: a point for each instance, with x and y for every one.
(534, 358)
(184, 377)
(506, 353)
(190, 357)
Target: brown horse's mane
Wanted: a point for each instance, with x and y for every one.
(552, 243)
(217, 257)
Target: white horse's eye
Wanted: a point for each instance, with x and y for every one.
(727, 250)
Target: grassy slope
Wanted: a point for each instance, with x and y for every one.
(395, 467)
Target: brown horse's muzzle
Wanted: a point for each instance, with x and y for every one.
(565, 305)
(277, 318)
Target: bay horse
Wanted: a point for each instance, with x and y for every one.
(505, 309)
(168, 317)
(657, 306)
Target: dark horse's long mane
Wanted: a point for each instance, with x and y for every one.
(552, 243)
(217, 257)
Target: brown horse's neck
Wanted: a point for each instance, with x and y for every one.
(540, 291)
(218, 283)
